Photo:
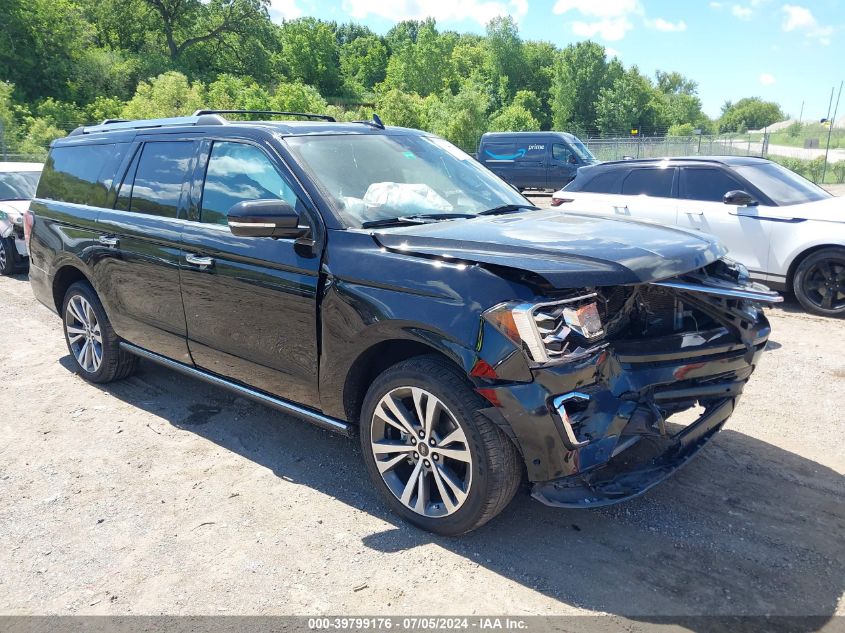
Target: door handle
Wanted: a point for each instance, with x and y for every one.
(108, 240)
(694, 212)
(196, 260)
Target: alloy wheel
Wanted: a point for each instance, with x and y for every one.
(421, 452)
(83, 334)
(824, 284)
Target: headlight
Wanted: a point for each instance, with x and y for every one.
(549, 331)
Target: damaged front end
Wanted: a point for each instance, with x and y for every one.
(627, 382)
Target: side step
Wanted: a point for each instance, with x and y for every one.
(323, 421)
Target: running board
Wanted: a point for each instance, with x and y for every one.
(284, 406)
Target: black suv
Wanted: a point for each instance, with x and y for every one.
(380, 279)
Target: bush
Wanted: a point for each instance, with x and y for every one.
(838, 169)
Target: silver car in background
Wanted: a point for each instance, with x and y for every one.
(18, 182)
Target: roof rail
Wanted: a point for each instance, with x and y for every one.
(112, 125)
(307, 115)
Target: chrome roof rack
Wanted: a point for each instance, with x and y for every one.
(112, 125)
(307, 115)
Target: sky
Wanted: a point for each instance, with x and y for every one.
(788, 52)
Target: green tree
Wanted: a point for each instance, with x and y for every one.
(169, 94)
(363, 61)
(514, 118)
(460, 118)
(297, 97)
(399, 108)
(422, 66)
(630, 102)
(39, 135)
(581, 73)
(507, 59)
(229, 92)
(749, 113)
(310, 54)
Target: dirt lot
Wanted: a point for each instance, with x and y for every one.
(161, 495)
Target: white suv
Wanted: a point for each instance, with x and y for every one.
(787, 231)
(17, 187)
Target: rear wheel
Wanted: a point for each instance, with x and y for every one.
(819, 282)
(91, 341)
(8, 256)
(439, 463)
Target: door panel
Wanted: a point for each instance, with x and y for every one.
(138, 253)
(560, 170)
(648, 195)
(746, 237)
(251, 313)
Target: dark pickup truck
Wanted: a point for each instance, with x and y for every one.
(379, 280)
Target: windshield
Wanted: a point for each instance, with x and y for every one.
(376, 177)
(18, 185)
(583, 153)
(783, 186)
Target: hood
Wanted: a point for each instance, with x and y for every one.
(567, 249)
(14, 207)
(827, 210)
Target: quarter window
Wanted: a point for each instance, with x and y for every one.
(649, 182)
(74, 174)
(238, 172)
(158, 179)
(708, 185)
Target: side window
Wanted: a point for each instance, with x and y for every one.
(709, 185)
(603, 183)
(238, 172)
(649, 182)
(561, 152)
(159, 174)
(72, 174)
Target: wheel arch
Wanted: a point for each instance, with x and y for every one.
(376, 359)
(800, 257)
(65, 276)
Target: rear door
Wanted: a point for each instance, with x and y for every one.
(250, 302)
(648, 193)
(138, 250)
(700, 207)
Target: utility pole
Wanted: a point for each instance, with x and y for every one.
(801, 116)
(830, 123)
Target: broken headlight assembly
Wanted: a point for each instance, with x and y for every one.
(551, 331)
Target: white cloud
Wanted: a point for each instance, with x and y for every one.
(610, 29)
(741, 12)
(284, 10)
(610, 17)
(611, 52)
(666, 26)
(767, 79)
(801, 19)
(482, 11)
(715, 5)
(599, 9)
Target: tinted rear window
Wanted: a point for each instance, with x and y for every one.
(159, 178)
(608, 182)
(78, 173)
(649, 182)
(705, 184)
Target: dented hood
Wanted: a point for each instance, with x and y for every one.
(567, 249)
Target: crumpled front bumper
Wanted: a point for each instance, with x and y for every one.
(599, 431)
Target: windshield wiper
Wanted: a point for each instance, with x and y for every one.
(509, 208)
(422, 218)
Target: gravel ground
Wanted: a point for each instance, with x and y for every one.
(162, 495)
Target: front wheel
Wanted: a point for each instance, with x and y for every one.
(439, 463)
(819, 282)
(91, 341)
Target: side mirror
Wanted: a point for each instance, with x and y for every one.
(265, 218)
(740, 198)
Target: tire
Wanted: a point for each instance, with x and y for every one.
(819, 282)
(87, 327)
(8, 256)
(478, 461)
